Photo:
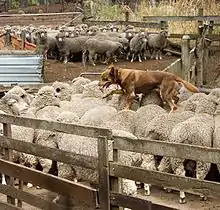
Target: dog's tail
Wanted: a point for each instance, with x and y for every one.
(187, 85)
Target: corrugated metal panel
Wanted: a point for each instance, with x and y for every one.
(21, 69)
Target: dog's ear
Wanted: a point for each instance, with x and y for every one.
(112, 70)
(113, 73)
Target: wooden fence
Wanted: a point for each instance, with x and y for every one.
(108, 196)
(13, 42)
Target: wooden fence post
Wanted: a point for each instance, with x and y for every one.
(200, 23)
(9, 156)
(104, 190)
(8, 37)
(115, 185)
(23, 39)
(185, 57)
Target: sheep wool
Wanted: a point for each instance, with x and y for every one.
(98, 115)
(144, 115)
(63, 90)
(123, 120)
(77, 84)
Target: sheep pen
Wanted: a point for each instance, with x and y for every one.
(83, 103)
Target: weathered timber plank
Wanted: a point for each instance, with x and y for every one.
(55, 126)
(135, 202)
(41, 14)
(55, 184)
(213, 37)
(134, 23)
(154, 147)
(50, 153)
(181, 18)
(8, 156)
(30, 198)
(191, 185)
(104, 189)
(7, 206)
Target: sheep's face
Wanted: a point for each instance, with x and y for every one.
(46, 96)
(62, 91)
(60, 37)
(164, 33)
(21, 93)
(16, 104)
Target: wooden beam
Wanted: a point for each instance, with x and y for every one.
(181, 18)
(104, 189)
(7, 206)
(120, 22)
(75, 129)
(64, 187)
(186, 184)
(135, 202)
(213, 37)
(40, 14)
(50, 153)
(155, 147)
(29, 198)
(8, 156)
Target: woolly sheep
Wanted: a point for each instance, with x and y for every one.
(123, 120)
(46, 96)
(48, 112)
(118, 102)
(14, 104)
(192, 101)
(144, 115)
(63, 90)
(77, 84)
(152, 98)
(156, 43)
(51, 139)
(216, 134)
(80, 107)
(197, 130)
(98, 115)
(19, 91)
(92, 90)
(159, 128)
(88, 146)
(27, 136)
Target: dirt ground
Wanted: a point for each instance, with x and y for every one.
(55, 70)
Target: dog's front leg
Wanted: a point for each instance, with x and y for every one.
(118, 91)
(129, 100)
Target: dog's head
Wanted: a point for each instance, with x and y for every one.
(109, 76)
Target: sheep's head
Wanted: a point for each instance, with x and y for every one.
(63, 90)
(46, 96)
(17, 104)
(20, 92)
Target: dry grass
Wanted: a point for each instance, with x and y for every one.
(103, 11)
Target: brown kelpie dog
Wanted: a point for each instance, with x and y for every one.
(134, 82)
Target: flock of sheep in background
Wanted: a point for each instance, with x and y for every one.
(94, 44)
(195, 122)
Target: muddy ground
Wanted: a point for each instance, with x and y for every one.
(55, 70)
